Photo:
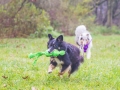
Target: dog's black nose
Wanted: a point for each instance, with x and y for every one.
(48, 50)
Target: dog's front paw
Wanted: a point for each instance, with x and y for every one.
(49, 72)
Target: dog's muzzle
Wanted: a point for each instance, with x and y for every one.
(50, 49)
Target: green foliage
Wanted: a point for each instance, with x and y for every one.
(105, 30)
(44, 31)
(101, 72)
(81, 10)
(68, 16)
(21, 20)
(27, 19)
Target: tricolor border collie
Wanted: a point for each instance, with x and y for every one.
(83, 40)
(68, 62)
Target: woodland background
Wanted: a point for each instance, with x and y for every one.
(37, 18)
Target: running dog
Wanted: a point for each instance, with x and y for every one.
(83, 40)
(68, 62)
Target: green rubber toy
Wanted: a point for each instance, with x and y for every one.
(55, 53)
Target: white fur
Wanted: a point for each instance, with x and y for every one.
(82, 32)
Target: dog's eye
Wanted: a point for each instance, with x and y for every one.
(81, 39)
(54, 45)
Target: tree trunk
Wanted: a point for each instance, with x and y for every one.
(109, 14)
(115, 7)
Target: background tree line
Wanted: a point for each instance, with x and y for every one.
(36, 18)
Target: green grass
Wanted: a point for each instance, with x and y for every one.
(101, 72)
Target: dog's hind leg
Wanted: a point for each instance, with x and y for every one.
(75, 66)
(69, 73)
(65, 69)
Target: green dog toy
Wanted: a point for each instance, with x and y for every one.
(55, 53)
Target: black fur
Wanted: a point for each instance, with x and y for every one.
(72, 54)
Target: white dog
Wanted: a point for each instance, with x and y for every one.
(83, 39)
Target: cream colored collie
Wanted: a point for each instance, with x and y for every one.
(83, 39)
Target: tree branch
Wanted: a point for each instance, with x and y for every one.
(22, 4)
(116, 14)
(97, 4)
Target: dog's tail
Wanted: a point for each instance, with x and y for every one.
(76, 65)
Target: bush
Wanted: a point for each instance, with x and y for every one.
(45, 31)
(104, 30)
(22, 21)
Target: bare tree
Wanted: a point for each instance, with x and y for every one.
(106, 12)
(109, 14)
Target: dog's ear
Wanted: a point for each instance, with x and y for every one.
(60, 38)
(50, 37)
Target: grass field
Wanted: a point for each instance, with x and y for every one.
(101, 72)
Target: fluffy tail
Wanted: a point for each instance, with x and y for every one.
(76, 65)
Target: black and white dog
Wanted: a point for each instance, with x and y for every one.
(68, 62)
